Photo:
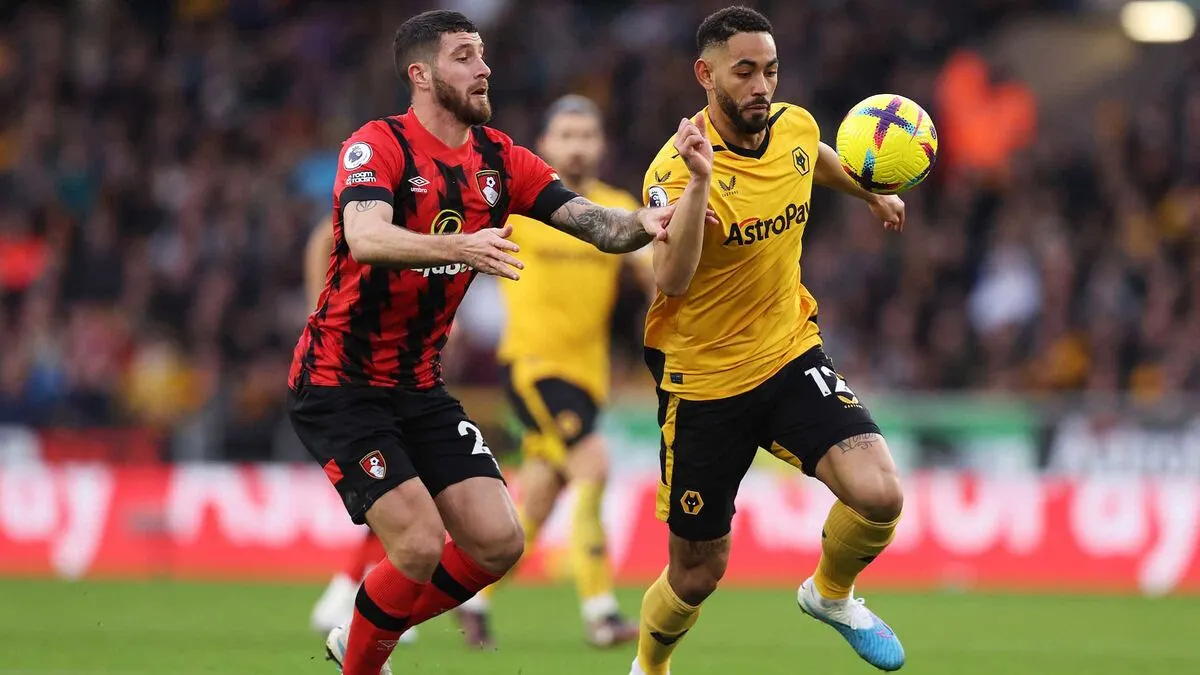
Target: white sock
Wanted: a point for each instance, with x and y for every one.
(478, 604)
(599, 607)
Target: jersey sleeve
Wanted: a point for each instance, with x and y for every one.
(369, 166)
(537, 191)
(665, 182)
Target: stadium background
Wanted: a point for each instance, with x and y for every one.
(1030, 344)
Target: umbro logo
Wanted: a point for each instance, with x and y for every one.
(418, 184)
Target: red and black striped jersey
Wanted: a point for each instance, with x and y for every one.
(386, 327)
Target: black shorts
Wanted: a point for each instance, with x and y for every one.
(556, 414)
(371, 439)
(707, 446)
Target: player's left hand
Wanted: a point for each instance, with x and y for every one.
(889, 209)
(655, 220)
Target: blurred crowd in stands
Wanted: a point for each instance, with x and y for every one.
(162, 164)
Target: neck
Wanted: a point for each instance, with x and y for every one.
(730, 133)
(441, 122)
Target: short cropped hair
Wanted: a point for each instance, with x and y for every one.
(571, 104)
(418, 38)
(723, 24)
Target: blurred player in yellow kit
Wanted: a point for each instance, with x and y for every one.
(733, 343)
(555, 353)
(335, 607)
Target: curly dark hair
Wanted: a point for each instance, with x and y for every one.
(724, 24)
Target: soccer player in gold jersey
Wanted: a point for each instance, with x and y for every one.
(733, 342)
(555, 352)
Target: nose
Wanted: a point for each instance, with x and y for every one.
(759, 87)
(484, 70)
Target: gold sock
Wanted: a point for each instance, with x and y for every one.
(665, 620)
(531, 534)
(589, 555)
(849, 542)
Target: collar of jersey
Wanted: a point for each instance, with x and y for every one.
(413, 125)
(756, 153)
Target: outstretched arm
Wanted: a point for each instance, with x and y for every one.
(374, 240)
(829, 173)
(608, 229)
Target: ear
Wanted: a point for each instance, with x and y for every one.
(704, 73)
(420, 74)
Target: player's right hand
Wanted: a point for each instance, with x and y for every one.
(692, 144)
(488, 250)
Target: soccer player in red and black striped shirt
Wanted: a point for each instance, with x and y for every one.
(421, 202)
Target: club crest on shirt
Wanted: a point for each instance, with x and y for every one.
(374, 464)
(800, 160)
(489, 184)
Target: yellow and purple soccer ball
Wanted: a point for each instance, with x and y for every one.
(887, 143)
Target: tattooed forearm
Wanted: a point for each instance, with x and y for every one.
(363, 207)
(610, 230)
(859, 442)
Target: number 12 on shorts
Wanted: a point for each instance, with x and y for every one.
(465, 428)
(819, 375)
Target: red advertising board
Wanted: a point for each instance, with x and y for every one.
(221, 521)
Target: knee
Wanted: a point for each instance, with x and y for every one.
(417, 551)
(879, 497)
(588, 460)
(694, 585)
(500, 550)
(693, 581)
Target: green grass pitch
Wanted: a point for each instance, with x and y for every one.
(121, 628)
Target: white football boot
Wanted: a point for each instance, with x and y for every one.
(335, 649)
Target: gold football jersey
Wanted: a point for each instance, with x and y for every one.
(558, 313)
(746, 314)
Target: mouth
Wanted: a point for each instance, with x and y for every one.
(479, 91)
(757, 107)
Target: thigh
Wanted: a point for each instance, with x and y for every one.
(406, 520)
(352, 433)
(446, 447)
(705, 452)
(556, 414)
(814, 409)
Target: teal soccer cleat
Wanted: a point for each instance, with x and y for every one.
(871, 638)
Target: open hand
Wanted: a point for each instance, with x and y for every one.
(488, 251)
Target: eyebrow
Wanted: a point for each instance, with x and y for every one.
(752, 63)
(467, 45)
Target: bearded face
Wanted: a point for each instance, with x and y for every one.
(749, 116)
(468, 102)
